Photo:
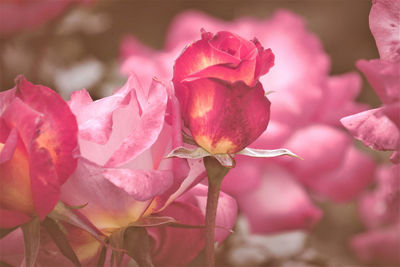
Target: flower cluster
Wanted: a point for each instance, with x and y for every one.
(306, 107)
(121, 180)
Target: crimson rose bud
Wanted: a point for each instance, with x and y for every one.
(216, 82)
(38, 142)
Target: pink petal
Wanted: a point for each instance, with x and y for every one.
(245, 177)
(379, 207)
(245, 114)
(58, 132)
(108, 206)
(384, 77)
(27, 15)
(152, 105)
(373, 128)
(140, 184)
(338, 99)
(226, 211)
(384, 21)
(12, 248)
(322, 147)
(278, 204)
(174, 247)
(348, 180)
(378, 246)
(393, 113)
(95, 118)
(11, 218)
(38, 173)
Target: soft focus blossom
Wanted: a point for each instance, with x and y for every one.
(124, 177)
(379, 128)
(17, 15)
(380, 213)
(216, 82)
(38, 141)
(306, 107)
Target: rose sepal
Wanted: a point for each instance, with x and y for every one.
(227, 160)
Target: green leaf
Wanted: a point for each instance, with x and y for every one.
(77, 207)
(5, 232)
(186, 153)
(263, 153)
(61, 240)
(102, 257)
(31, 232)
(138, 246)
(117, 244)
(64, 214)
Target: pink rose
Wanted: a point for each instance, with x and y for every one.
(216, 82)
(38, 140)
(19, 15)
(123, 173)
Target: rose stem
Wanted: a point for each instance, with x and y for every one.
(215, 172)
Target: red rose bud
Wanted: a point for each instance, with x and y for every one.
(216, 82)
(225, 56)
(38, 136)
(225, 117)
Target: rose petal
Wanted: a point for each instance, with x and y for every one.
(140, 184)
(174, 247)
(373, 128)
(311, 143)
(384, 77)
(378, 246)
(348, 179)
(278, 204)
(58, 133)
(226, 211)
(95, 118)
(108, 206)
(240, 105)
(384, 21)
(338, 98)
(153, 105)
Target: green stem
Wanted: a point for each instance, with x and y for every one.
(215, 172)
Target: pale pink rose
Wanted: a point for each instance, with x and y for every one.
(306, 107)
(123, 174)
(17, 15)
(380, 213)
(379, 128)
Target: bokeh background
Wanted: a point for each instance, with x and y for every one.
(80, 49)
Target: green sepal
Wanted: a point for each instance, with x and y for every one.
(57, 234)
(264, 153)
(31, 232)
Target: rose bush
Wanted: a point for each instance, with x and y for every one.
(216, 82)
(38, 144)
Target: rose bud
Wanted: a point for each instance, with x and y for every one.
(225, 56)
(38, 136)
(222, 102)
